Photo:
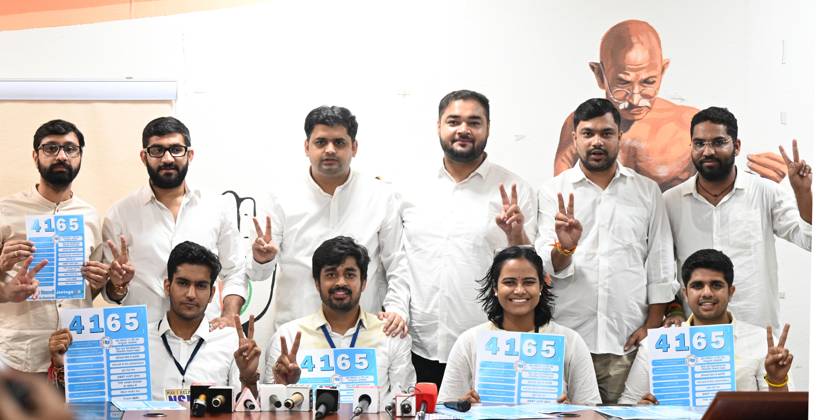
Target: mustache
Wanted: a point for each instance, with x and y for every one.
(169, 166)
(344, 289)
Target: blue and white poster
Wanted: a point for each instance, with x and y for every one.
(108, 357)
(519, 368)
(343, 368)
(689, 365)
(60, 239)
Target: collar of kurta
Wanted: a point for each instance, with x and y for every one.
(203, 331)
(317, 188)
(146, 195)
(482, 171)
(742, 181)
(318, 320)
(575, 174)
(35, 195)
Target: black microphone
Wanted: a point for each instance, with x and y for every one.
(460, 405)
(199, 406)
(326, 401)
(363, 404)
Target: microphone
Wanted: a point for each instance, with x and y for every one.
(460, 405)
(294, 401)
(426, 398)
(274, 401)
(326, 401)
(363, 404)
(217, 401)
(199, 406)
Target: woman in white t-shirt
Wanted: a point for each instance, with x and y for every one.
(516, 297)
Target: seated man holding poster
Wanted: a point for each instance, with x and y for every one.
(519, 333)
(340, 332)
(184, 350)
(708, 287)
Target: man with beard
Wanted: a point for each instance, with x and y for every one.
(152, 220)
(739, 213)
(609, 251)
(331, 199)
(454, 221)
(25, 326)
(339, 268)
(654, 130)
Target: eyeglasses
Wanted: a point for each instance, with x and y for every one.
(717, 144)
(157, 151)
(53, 149)
(622, 95)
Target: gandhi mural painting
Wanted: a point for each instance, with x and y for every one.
(655, 132)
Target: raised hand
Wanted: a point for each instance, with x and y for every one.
(15, 251)
(768, 164)
(121, 270)
(286, 370)
(23, 284)
(394, 325)
(778, 360)
(57, 345)
(568, 229)
(799, 173)
(248, 353)
(264, 250)
(511, 219)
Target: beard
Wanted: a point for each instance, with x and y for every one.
(598, 166)
(345, 306)
(463, 156)
(59, 180)
(160, 181)
(718, 173)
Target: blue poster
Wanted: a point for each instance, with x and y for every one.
(60, 239)
(108, 358)
(519, 368)
(689, 365)
(343, 368)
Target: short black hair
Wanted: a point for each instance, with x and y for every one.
(710, 259)
(333, 252)
(331, 116)
(488, 284)
(596, 107)
(57, 127)
(192, 253)
(719, 116)
(163, 126)
(463, 95)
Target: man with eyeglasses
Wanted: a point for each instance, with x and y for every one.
(143, 228)
(654, 130)
(609, 250)
(739, 213)
(25, 325)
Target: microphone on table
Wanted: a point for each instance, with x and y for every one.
(459, 405)
(326, 401)
(294, 401)
(426, 398)
(366, 400)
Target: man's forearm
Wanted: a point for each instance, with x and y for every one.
(559, 261)
(656, 314)
(231, 305)
(804, 201)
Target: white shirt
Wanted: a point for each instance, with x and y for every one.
(26, 326)
(152, 233)
(579, 379)
(214, 363)
(450, 237)
(743, 226)
(750, 350)
(623, 262)
(303, 216)
(393, 354)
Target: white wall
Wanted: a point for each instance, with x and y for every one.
(249, 75)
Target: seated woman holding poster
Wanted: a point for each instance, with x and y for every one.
(522, 356)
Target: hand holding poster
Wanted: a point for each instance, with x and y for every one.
(108, 358)
(688, 365)
(344, 368)
(60, 239)
(519, 368)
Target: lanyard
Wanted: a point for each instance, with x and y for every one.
(192, 355)
(351, 343)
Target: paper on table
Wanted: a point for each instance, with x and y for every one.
(147, 405)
